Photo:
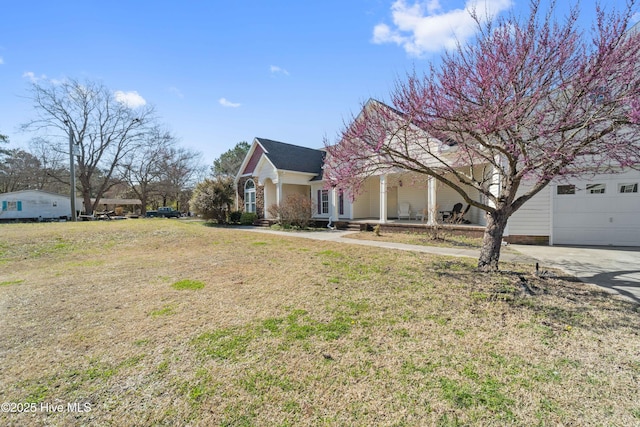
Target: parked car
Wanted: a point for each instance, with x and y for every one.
(165, 212)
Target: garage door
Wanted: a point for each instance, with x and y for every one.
(602, 211)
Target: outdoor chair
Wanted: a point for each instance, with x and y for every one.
(459, 217)
(453, 214)
(404, 210)
(423, 216)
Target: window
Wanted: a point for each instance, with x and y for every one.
(595, 188)
(341, 203)
(599, 95)
(323, 202)
(566, 189)
(11, 206)
(628, 188)
(250, 196)
(55, 204)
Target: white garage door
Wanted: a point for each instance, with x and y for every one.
(602, 211)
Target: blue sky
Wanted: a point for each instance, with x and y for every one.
(220, 72)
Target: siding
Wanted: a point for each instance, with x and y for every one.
(34, 204)
(416, 197)
(534, 217)
(253, 161)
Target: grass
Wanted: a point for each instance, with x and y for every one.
(188, 284)
(422, 239)
(274, 330)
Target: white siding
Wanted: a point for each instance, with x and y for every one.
(35, 205)
(416, 197)
(367, 203)
(534, 217)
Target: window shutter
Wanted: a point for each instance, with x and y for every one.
(341, 203)
(19, 205)
(4, 205)
(319, 202)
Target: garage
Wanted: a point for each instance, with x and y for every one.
(604, 210)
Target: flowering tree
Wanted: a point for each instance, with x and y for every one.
(530, 99)
(212, 198)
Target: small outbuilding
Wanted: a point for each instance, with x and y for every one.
(34, 205)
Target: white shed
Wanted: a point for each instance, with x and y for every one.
(34, 205)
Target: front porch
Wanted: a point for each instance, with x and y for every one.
(393, 226)
(407, 199)
(416, 226)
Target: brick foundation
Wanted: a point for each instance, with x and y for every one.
(528, 240)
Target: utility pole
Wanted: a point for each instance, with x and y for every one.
(72, 172)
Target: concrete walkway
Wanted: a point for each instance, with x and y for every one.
(615, 269)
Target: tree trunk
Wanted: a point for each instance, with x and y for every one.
(86, 198)
(492, 241)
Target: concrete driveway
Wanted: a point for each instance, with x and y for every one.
(614, 268)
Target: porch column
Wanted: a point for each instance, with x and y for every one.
(432, 209)
(496, 183)
(334, 204)
(265, 199)
(383, 199)
(279, 191)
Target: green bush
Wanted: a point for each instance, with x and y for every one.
(248, 218)
(235, 216)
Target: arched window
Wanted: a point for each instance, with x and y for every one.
(250, 196)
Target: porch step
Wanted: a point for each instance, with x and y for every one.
(352, 226)
(263, 223)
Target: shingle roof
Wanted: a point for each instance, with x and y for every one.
(293, 157)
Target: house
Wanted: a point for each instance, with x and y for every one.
(36, 205)
(596, 210)
(272, 170)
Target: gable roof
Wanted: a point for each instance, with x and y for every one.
(293, 157)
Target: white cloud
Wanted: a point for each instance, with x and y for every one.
(1, 60)
(225, 103)
(425, 28)
(278, 70)
(131, 99)
(176, 92)
(32, 76)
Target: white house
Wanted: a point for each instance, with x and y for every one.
(34, 205)
(595, 210)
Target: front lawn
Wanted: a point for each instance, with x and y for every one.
(147, 322)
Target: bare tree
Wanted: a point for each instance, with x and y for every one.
(102, 129)
(53, 174)
(144, 169)
(3, 139)
(181, 169)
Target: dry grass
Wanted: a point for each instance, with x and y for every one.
(422, 239)
(289, 331)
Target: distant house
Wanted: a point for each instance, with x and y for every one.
(34, 205)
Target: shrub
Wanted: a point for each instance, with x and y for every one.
(295, 211)
(234, 217)
(248, 218)
(212, 197)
